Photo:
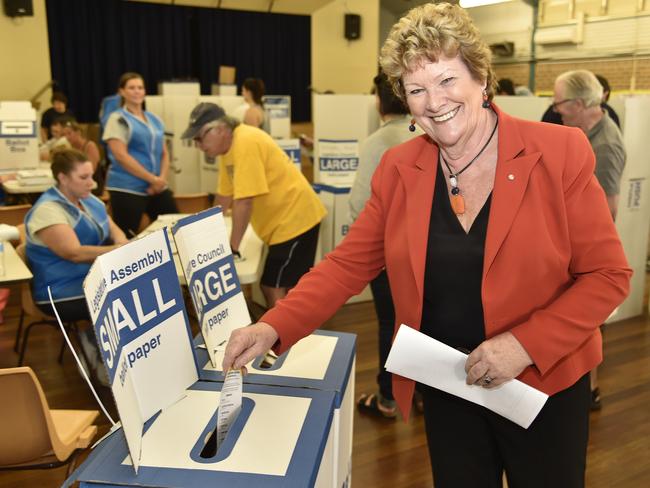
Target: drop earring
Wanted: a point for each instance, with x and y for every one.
(412, 125)
(486, 102)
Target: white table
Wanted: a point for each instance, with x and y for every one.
(13, 187)
(248, 268)
(15, 270)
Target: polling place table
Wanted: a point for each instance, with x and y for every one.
(15, 270)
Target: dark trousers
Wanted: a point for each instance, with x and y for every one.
(470, 446)
(386, 317)
(128, 208)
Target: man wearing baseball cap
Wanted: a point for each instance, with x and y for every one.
(261, 184)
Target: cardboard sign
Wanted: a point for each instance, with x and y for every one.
(292, 148)
(143, 332)
(204, 252)
(338, 160)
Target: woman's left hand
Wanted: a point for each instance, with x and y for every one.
(496, 361)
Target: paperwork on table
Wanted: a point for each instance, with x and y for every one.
(421, 358)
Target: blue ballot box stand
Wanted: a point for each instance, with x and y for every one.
(325, 361)
(262, 448)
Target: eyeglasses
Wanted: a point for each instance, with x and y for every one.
(199, 139)
(555, 105)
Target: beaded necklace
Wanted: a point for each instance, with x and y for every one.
(457, 200)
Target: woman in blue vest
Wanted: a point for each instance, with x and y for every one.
(137, 176)
(67, 228)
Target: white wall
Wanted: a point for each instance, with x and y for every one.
(338, 64)
(25, 56)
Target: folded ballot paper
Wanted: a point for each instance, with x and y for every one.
(421, 358)
(207, 261)
(138, 313)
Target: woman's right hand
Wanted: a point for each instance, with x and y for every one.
(247, 343)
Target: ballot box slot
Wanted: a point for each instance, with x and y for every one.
(205, 449)
(269, 361)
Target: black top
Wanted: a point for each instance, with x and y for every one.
(50, 115)
(452, 310)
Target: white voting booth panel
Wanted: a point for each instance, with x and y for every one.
(325, 361)
(341, 123)
(280, 439)
(633, 217)
(336, 224)
(182, 88)
(529, 108)
(184, 176)
(18, 136)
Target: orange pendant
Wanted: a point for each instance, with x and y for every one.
(458, 204)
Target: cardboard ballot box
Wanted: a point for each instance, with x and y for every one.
(280, 439)
(18, 136)
(325, 361)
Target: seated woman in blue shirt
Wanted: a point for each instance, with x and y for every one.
(67, 229)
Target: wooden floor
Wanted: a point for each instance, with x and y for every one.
(389, 453)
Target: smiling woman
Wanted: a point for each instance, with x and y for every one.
(516, 274)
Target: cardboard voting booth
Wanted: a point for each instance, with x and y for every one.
(262, 448)
(277, 116)
(323, 361)
(336, 224)
(18, 136)
(341, 124)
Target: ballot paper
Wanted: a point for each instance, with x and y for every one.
(229, 403)
(421, 358)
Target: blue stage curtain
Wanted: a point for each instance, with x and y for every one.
(93, 43)
(273, 47)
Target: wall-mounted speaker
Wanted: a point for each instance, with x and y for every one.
(18, 8)
(352, 26)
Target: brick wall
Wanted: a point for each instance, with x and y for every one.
(618, 72)
(518, 73)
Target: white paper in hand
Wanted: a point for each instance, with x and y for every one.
(229, 403)
(421, 358)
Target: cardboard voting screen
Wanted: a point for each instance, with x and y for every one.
(207, 261)
(142, 329)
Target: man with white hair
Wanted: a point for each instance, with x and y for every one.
(262, 186)
(577, 97)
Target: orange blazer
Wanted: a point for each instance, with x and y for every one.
(553, 270)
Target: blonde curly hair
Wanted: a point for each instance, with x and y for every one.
(428, 31)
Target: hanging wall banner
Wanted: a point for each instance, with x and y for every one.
(337, 160)
(207, 261)
(143, 332)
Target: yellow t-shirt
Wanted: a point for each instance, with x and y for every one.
(284, 204)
